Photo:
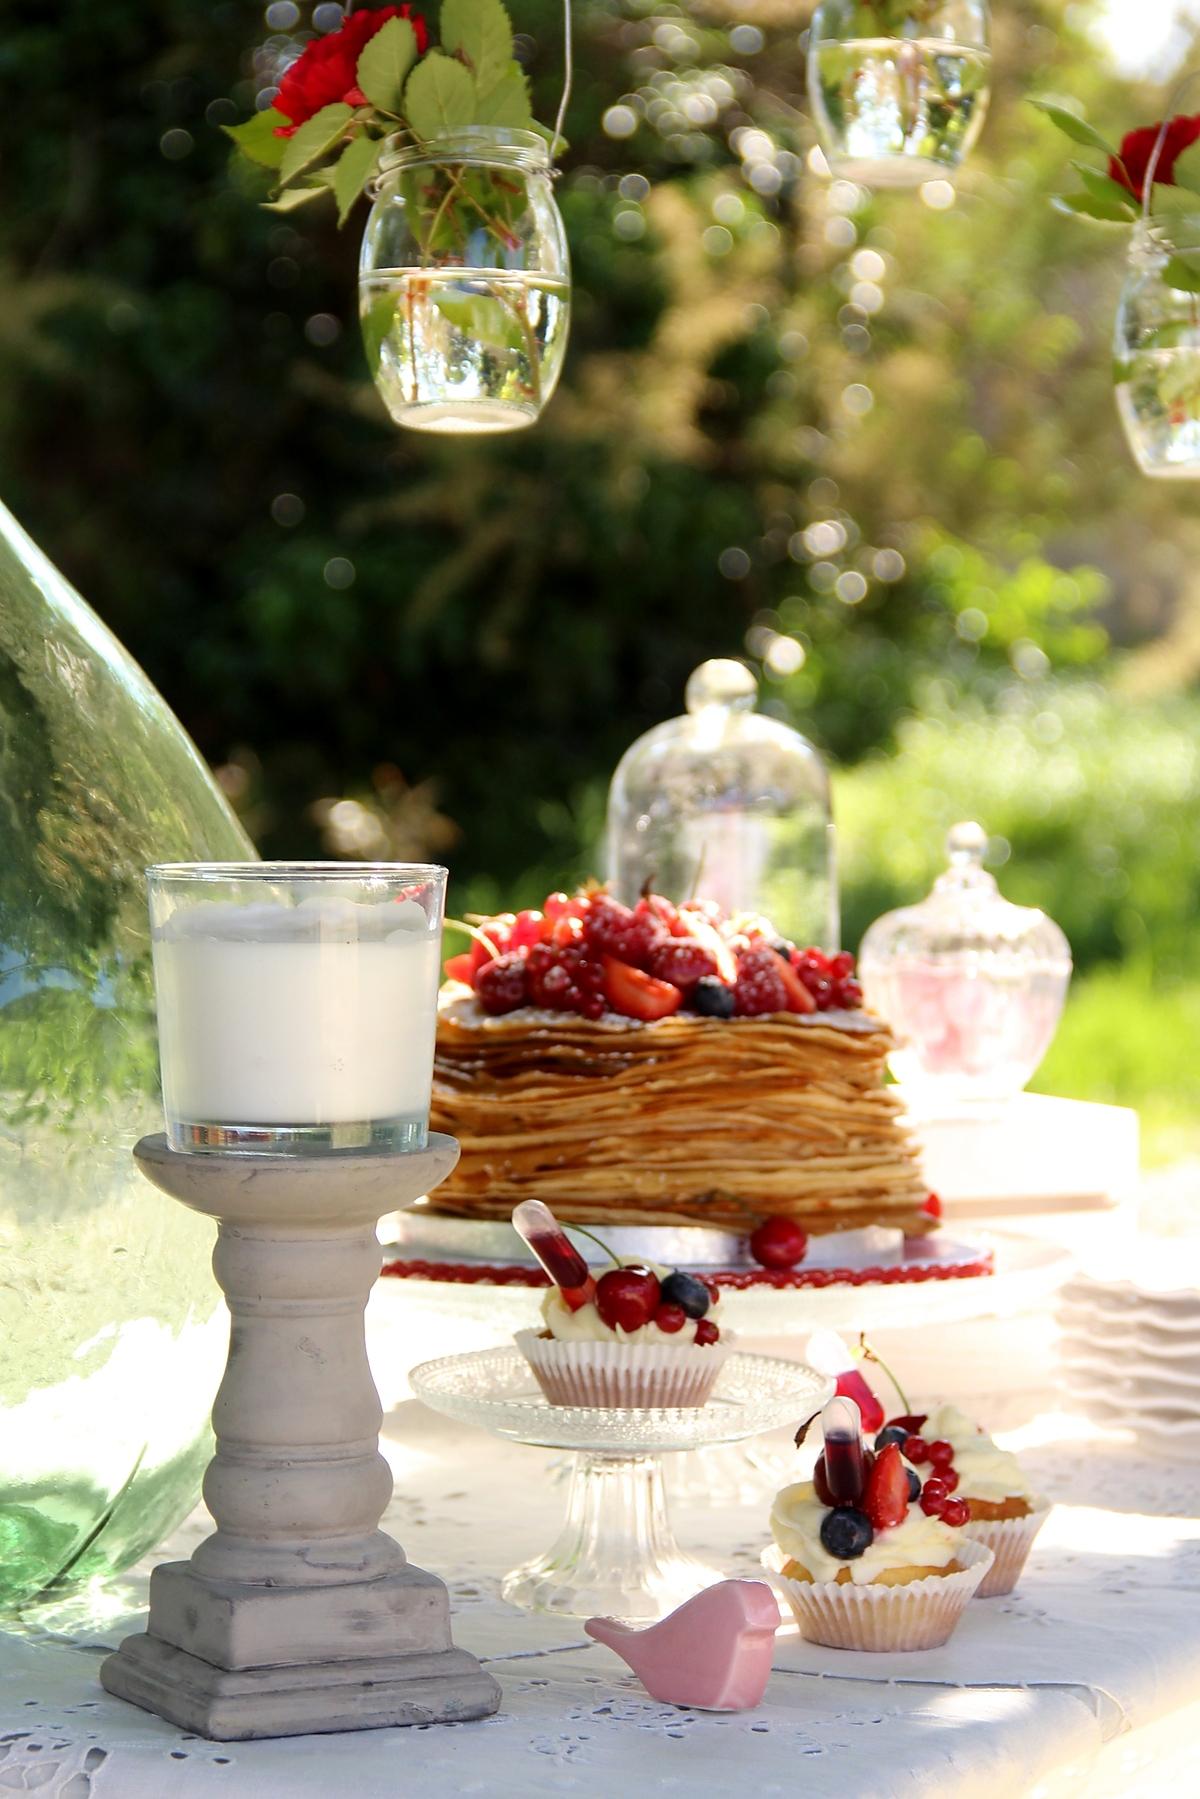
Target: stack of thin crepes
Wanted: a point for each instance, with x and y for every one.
(686, 1121)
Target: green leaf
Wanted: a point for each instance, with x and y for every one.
(1077, 129)
(353, 169)
(507, 103)
(296, 196)
(1183, 273)
(479, 30)
(1187, 169)
(256, 138)
(439, 96)
(1091, 208)
(1103, 187)
(482, 318)
(385, 62)
(314, 139)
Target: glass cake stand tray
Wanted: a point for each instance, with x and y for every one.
(616, 1554)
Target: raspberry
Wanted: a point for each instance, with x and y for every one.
(681, 962)
(611, 929)
(502, 985)
(848, 994)
(759, 987)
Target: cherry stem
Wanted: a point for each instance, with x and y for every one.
(869, 1355)
(581, 1231)
(458, 924)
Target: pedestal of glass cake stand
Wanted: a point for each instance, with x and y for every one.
(616, 1553)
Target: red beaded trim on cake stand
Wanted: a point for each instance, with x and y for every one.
(738, 1279)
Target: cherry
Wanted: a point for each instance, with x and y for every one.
(941, 1453)
(778, 1243)
(851, 1385)
(670, 1318)
(909, 1422)
(627, 1298)
(956, 1512)
(821, 1486)
(841, 966)
(934, 1495)
(706, 1332)
(916, 1450)
(530, 928)
(933, 1206)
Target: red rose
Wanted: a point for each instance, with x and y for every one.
(1137, 147)
(326, 71)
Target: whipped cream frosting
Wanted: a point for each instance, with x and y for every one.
(919, 1542)
(984, 1470)
(587, 1326)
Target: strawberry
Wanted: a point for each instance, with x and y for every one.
(799, 999)
(851, 1385)
(636, 994)
(886, 1498)
(461, 968)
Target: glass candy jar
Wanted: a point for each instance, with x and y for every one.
(464, 282)
(898, 88)
(729, 805)
(1156, 361)
(972, 985)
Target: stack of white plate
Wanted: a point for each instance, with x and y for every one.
(1131, 1346)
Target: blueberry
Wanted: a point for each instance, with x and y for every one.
(914, 1485)
(891, 1433)
(846, 1532)
(689, 1294)
(712, 998)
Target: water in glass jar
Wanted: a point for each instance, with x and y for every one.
(1158, 398)
(464, 350)
(898, 111)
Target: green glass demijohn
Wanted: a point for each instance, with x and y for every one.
(111, 1337)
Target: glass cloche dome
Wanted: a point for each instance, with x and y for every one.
(730, 805)
(972, 985)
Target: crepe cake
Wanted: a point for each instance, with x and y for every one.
(666, 1065)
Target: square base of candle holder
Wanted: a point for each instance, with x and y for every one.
(233, 1661)
(443, 1687)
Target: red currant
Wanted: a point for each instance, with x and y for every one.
(841, 966)
(670, 1318)
(706, 1332)
(948, 1478)
(916, 1449)
(934, 1495)
(956, 1512)
(941, 1453)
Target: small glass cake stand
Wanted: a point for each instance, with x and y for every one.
(616, 1553)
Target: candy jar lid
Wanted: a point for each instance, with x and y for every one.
(972, 984)
(727, 803)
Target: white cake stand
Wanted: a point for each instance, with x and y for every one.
(616, 1553)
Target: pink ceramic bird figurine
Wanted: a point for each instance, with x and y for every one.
(713, 1652)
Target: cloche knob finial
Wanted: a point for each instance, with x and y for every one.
(721, 682)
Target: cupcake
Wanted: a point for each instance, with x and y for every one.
(639, 1335)
(962, 1467)
(862, 1565)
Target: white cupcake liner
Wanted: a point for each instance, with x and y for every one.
(1010, 1540)
(623, 1374)
(921, 1615)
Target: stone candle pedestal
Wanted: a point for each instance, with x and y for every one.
(298, 1614)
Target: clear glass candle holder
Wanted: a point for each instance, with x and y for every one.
(297, 1003)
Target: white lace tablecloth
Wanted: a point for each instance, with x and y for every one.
(1087, 1682)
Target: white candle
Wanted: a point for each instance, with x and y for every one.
(321, 1013)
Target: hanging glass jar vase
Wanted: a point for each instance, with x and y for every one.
(898, 88)
(464, 282)
(1156, 358)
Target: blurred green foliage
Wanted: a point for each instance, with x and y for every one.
(879, 427)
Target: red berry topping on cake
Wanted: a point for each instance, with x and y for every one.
(759, 987)
(561, 905)
(627, 1297)
(799, 999)
(636, 994)
(941, 1453)
(916, 1449)
(611, 929)
(934, 1495)
(932, 1207)
(841, 966)
(670, 1318)
(886, 1498)
(821, 1485)
(948, 1478)
(502, 985)
(706, 1332)
(575, 1298)
(530, 928)
(956, 1512)
(460, 968)
(681, 962)
(778, 1243)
